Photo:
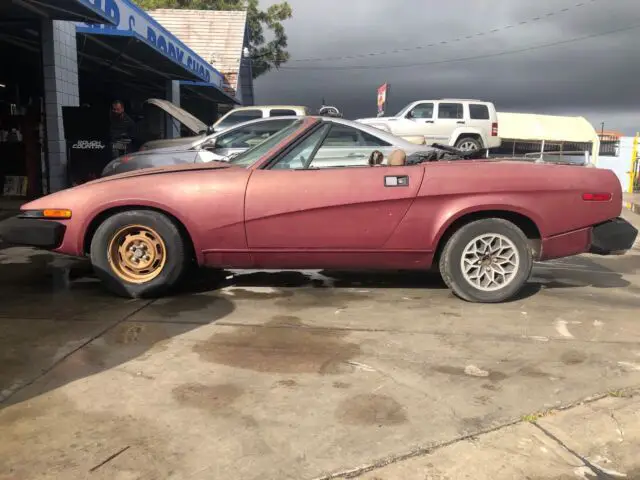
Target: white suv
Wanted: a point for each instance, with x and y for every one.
(464, 124)
(244, 114)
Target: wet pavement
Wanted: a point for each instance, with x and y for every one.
(261, 375)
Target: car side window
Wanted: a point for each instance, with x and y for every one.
(240, 116)
(251, 135)
(478, 112)
(346, 146)
(300, 156)
(281, 112)
(422, 110)
(450, 111)
(345, 136)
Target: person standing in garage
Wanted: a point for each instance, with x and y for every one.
(122, 129)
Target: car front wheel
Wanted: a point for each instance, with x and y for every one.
(486, 261)
(139, 253)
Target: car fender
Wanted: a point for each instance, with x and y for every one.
(461, 131)
(134, 203)
(469, 206)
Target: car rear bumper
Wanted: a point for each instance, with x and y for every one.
(612, 237)
(45, 234)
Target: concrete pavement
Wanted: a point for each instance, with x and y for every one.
(308, 375)
(597, 439)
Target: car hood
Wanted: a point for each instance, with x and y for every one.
(182, 143)
(184, 117)
(160, 170)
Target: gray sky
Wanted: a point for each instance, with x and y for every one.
(597, 77)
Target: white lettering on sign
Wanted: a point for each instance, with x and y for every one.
(131, 20)
(88, 145)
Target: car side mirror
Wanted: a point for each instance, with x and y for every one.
(410, 115)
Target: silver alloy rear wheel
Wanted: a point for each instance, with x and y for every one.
(490, 262)
(487, 260)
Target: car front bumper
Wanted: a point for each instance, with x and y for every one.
(45, 234)
(613, 237)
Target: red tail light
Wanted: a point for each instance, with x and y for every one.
(494, 129)
(597, 197)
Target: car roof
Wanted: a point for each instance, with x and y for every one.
(258, 107)
(397, 141)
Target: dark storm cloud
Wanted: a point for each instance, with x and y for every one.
(595, 77)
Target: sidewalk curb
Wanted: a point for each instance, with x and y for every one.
(352, 473)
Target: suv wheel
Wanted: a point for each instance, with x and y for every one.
(468, 144)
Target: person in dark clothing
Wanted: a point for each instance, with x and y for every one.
(122, 129)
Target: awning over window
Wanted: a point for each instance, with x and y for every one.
(100, 11)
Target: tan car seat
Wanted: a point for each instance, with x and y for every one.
(397, 158)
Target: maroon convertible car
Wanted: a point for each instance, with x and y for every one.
(307, 198)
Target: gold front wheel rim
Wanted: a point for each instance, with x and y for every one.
(137, 254)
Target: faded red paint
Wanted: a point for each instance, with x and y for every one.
(343, 217)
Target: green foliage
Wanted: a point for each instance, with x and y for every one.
(265, 55)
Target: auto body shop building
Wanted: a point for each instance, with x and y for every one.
(67, 53)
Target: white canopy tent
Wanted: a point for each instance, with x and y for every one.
(529, 127)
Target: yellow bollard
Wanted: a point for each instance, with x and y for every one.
(634, 164)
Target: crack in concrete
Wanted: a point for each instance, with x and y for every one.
(423, 451)
(600, 474)
(53, 365)
(618, 426)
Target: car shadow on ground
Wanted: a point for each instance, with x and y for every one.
(59, 324)
(582, 273)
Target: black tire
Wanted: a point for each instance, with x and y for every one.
(451, 258)
(176, 254)
(470, 140)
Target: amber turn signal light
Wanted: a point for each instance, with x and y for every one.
(56, 213)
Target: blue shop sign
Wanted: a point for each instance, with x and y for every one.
(130, 20)
(94, 6)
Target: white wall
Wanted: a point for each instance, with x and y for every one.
(620, 164)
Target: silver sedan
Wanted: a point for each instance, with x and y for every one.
(358, 138)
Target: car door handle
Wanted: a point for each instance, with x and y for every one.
(428, 121)
(460, 122)
(356, 155)
(396, 181)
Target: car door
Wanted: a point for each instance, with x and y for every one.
(416, 122)
(300, 215)
(449, 116)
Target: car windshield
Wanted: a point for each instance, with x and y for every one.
(403, 112)
(251, 156)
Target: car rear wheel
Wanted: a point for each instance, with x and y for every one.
(486, 261)
(468, 144)
(139, 253)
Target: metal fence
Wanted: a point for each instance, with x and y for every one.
(609, 147)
